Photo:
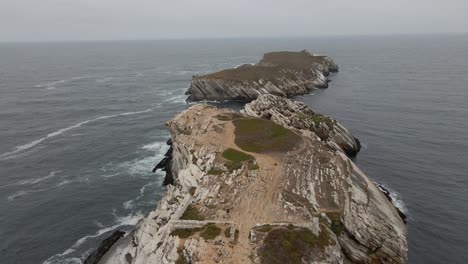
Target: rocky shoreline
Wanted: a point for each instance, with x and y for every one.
(271, 183)
(279, 73)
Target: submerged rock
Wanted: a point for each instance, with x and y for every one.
(279, 73)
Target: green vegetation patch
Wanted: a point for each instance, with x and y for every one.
(227, 232)
(234, 155)
(336, 225)
(291, 59)
(260, 135)
(253, 73)
(293, 245)
(185, 232)
(192, 213)
(264, 228)
(215, 171)
(210, 231)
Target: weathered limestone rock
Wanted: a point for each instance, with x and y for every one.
(298, 115)
(279, 73)
(217, 201)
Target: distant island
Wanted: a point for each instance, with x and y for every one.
(278, 73)
(273, 183)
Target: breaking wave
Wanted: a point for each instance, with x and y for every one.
(32, 144)
(129, 220)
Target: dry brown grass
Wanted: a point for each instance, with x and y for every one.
(290, 59)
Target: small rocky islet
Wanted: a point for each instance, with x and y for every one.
(273, 183)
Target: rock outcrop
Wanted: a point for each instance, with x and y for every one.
(298, 115)
(252, 190)
(279, 73)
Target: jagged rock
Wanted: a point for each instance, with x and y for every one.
(279, 73)
(298, 115)
(105, 245)
(288, 190)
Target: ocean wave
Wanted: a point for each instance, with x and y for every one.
(142, 166)
(129, 220)
(176, 99)
(22, 193)
(32, 144)
(104, 80)
(396, 200)
(38, 180)
(130, 204)
(53, 84)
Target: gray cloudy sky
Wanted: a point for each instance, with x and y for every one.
(43, 20)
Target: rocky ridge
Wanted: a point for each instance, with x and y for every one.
(237, 200)
(279, 73)
(298, 115)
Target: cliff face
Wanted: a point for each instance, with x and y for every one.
(279, 73)
(251, 190)
(298, 115)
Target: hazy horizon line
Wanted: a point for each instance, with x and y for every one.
(236, 37)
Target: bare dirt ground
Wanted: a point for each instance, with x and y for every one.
(259, 202)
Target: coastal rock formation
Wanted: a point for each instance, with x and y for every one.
(298, 115)
(249, 190)
(279, 73)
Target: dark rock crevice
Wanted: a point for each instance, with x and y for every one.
(165, 165)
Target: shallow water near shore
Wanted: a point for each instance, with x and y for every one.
(83, 125)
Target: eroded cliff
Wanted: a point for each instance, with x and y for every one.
(264, 190)
(279, 73)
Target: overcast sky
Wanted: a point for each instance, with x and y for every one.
(45, 20)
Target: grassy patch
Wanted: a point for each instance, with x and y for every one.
(292, 245)
(215, 171)
(260, 135)
(227, 232)
(336, 225)
(210, 231)
(291, 59)
(234, 155)
(185, 232)
(192, 213)
(264, 228)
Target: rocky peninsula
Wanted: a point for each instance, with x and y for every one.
(278, 73)
(272, 183)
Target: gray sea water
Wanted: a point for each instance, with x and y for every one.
(82, 124)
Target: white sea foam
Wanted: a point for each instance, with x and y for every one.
(64, 182)
(38, 180)
(177, 99)
(104, 80)
(31, 144)
(17, 194)
(129, 220)
(396, 200)
(22, 193)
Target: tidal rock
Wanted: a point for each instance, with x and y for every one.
(298, 115)
(105, 245)
(279, 73)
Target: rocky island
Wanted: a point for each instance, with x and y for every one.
(278, 73)
(272, 183)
